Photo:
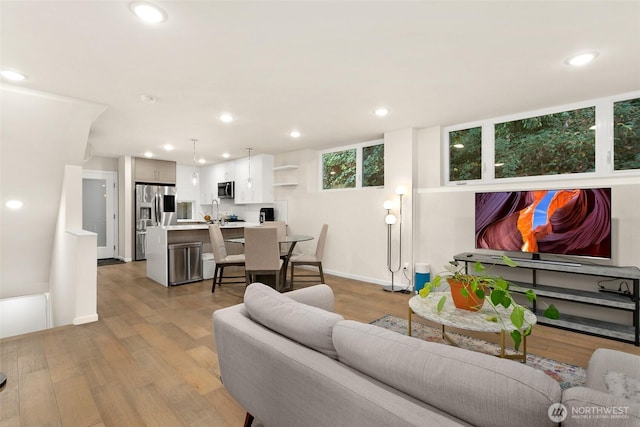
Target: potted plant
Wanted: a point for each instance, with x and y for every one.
(475, 288)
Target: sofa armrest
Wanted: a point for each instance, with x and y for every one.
(604, 360)
(587, 407)
(320, 296)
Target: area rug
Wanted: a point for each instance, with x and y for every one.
(565, 374)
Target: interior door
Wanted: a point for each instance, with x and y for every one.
(99, 209)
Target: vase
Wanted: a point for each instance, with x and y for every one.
(471, 302)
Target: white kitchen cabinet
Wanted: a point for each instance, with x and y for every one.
(225, 171)
(208, 184)
(261, 190)
(185, 190)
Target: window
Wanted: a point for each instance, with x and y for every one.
(185, 210)
(465, 154)
(353, 167)
(373, 166)
(594, 138)
(626, 134)
(339, 169)
(553, 144)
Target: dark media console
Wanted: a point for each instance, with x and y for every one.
(612, 300)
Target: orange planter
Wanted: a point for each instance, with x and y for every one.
(471, 302)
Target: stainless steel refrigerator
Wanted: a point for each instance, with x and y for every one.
(155, 206)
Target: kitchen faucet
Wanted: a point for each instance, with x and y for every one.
(217, 217)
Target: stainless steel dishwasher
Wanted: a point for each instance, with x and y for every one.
(185, 263)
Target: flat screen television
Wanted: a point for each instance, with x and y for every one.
(560, 222)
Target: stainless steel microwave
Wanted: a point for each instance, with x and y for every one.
(226, 190)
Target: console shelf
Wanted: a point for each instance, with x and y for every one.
(630, 303)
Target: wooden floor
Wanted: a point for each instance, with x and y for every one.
(151, 359)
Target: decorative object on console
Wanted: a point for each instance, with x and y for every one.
(390, 219)
(482, 285)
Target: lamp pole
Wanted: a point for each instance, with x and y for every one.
(390, 219)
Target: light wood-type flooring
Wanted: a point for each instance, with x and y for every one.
(151, 358)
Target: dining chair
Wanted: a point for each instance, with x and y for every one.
(281, 226)
(221, 258)
(312, 260)
(262, 254)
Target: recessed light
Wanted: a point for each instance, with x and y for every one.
(581, 59)
(381, 112)
(13, 75)
(148, 12)
(294, 134)
(226, 117)
(202, 161)
(148, 154)
(226, 155)
(14, 204)
(168, 147)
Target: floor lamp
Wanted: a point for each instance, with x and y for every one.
(390, 219)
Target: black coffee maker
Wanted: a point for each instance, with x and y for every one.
(266, 214)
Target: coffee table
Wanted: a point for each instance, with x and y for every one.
(468, 320)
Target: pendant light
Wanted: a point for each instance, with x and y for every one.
(194, 176)
(249, 180)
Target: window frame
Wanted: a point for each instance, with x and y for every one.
(359, 159)
(604, 149)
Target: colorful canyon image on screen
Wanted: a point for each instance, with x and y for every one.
(563, 222)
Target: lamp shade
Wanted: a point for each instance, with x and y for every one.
(388, 204)
(390, 219)
(401, 190)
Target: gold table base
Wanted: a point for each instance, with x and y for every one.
(518, 356)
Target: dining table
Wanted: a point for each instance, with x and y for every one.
(290, 240)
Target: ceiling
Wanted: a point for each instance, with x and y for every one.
(319, 67)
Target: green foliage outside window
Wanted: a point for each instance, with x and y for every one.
(626, 134)
(554, 144)
(373, 166)
(465, 154)
(339, 169)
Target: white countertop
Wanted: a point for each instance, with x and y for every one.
(203, 226)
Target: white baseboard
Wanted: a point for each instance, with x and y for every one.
(397, 284)
(85, 319)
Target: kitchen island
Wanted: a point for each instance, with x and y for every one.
(159, 238)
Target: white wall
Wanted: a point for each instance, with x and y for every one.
(356, 244)
(73, 276)
(125, 208)
(41, 133)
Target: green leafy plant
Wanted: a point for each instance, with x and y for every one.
(495, 290)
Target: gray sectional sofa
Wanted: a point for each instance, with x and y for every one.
(290, 361)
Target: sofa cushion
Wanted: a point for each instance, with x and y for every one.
(480, 389)
(307, 325)
(621, 384)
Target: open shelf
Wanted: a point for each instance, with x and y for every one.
(285, 184)
(611, 301)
